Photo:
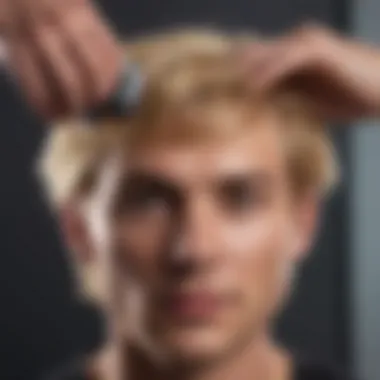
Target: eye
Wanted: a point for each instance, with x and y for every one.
(146, 198)
(143, 200)
(238, 196)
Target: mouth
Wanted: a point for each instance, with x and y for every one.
(194, 306)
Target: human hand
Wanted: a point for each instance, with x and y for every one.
(62, 54)
(339, 75)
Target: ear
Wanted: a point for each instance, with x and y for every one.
(308, 220)
(75, 232)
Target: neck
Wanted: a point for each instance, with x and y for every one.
(259, 360)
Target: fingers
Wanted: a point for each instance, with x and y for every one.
(94, 50)
(61, 76)
(5, 13)
(285, 60)
(25, 62)
(43, 12)
(269, 65)
(272, 62)
(24, 16)
(71, 51)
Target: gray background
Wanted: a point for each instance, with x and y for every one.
(365, 220)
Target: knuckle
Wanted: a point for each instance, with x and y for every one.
(313, 40)
(313, 34)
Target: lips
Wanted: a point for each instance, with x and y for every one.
(198, 305)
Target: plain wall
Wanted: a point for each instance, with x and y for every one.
(365, 217)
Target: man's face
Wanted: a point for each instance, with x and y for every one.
(210, 233)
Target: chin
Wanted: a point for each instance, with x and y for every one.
(194, 345)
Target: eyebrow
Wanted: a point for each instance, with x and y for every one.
(138, 176)
(141, 177)
(259, 177)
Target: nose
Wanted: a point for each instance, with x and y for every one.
(196, 236)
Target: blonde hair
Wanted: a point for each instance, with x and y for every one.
(191, 78)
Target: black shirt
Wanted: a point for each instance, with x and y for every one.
(305, 370)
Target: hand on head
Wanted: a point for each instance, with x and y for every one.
(66, 59)
(62, 54)
(340, 77)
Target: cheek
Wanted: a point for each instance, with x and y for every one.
(141, 242)
(260, 253)
(257, 237)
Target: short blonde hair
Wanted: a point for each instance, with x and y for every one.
(191, 78)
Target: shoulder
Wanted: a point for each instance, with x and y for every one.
(316, 370)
